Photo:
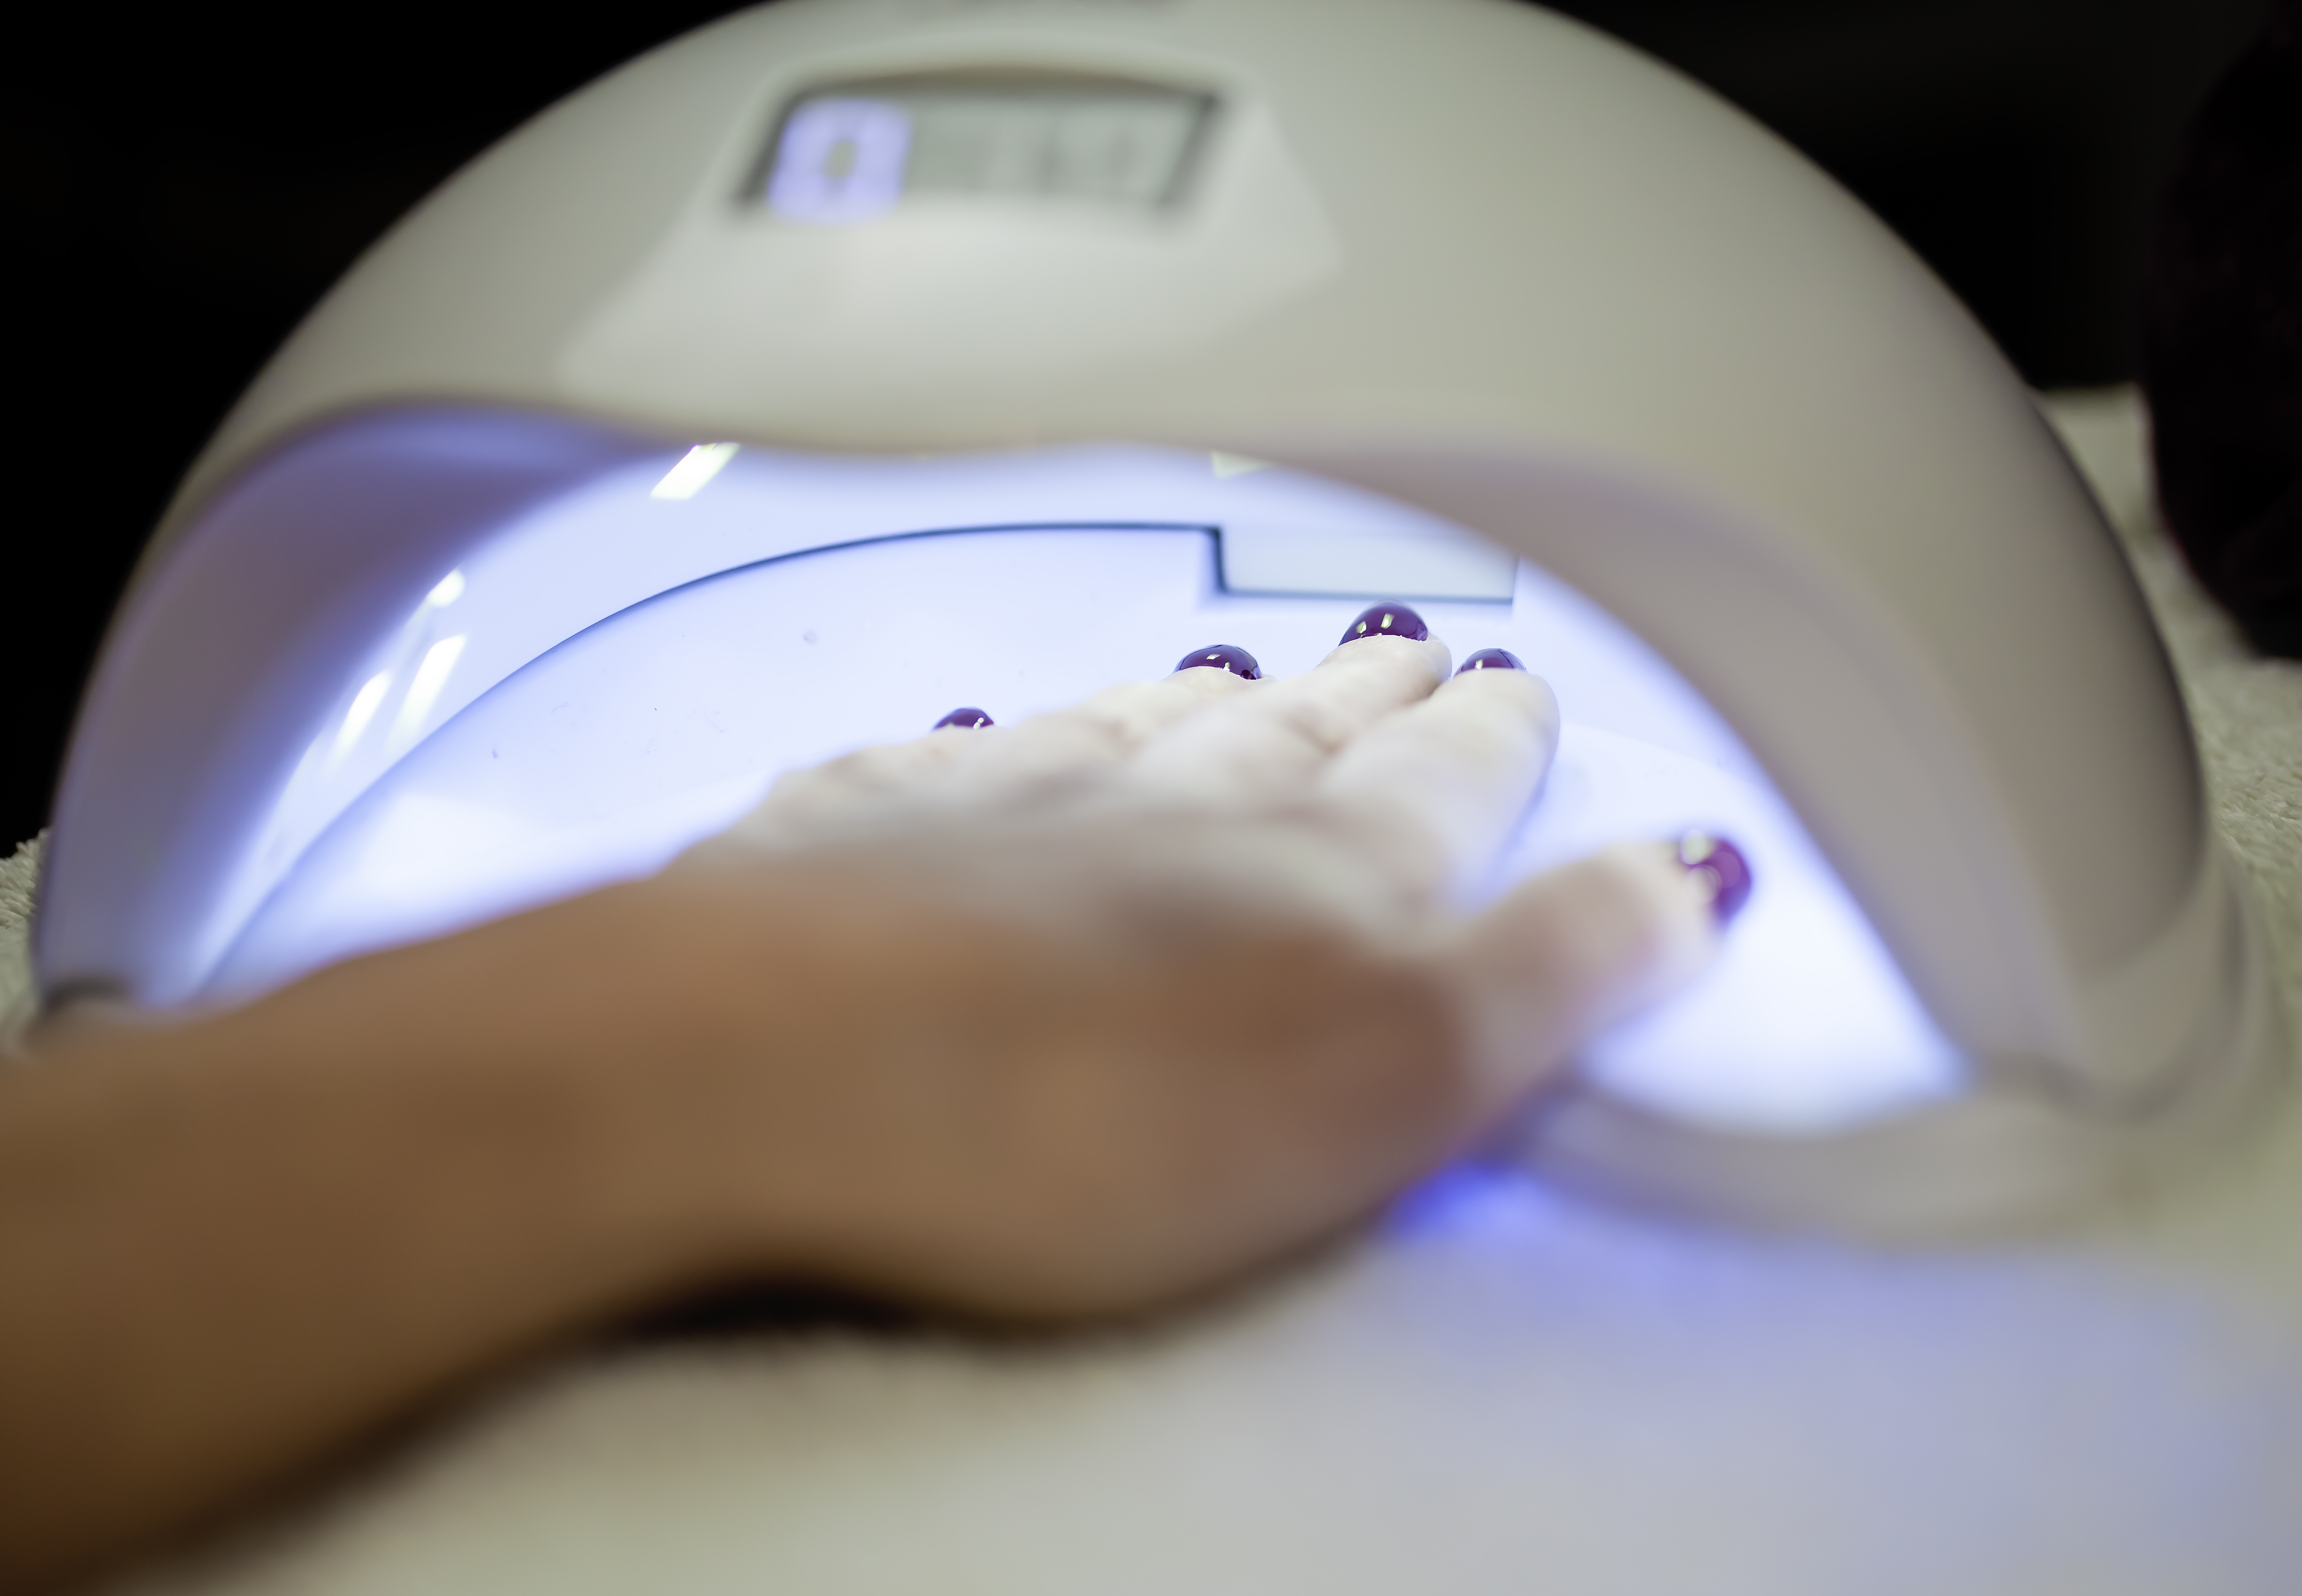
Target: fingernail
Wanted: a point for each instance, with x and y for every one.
(1722, 865)
(1223, 656)
(1491, 659)
(1387, 621)
(969, 719)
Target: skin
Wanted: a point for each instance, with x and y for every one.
(1037, 1023)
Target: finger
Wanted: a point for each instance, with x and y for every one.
(1438, 786)
(1572, 951)
(869, 781)
(971, 764)
(1075, 746)
(1270, 745)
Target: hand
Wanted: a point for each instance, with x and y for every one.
(1114, 1003)
(1068, 1018)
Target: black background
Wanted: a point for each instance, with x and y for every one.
(178, 185)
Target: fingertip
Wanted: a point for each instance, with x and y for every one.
(1677, 934)
(1224, 657)
(1390, 618)
(1208, 682)
(1429, 655)
(1678, 901)
(1519, 683)
(1391, 621)
(1719, 869)
(1518, 697)
(1575, 950)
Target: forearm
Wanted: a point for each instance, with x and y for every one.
(231, 1246)
(1032, 1070)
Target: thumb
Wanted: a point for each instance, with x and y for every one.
(1577, 949)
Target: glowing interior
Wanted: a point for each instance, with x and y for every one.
(607, 678)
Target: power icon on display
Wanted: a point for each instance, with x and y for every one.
(840, 160)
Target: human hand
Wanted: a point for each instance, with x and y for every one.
(1115, 1002)
(1065, 1019)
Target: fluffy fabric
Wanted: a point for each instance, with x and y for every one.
(2223, 339)
(19, 877)
(2245, 707)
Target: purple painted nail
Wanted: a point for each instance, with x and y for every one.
(1387, 621)
(1223, 656)
(1722, 862)
(1491, 659)
(967, 720)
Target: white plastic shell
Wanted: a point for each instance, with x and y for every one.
(1475, 258)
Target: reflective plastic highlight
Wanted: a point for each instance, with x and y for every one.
(450, 588)
(685, 480)
(363, 705)
(431, 677)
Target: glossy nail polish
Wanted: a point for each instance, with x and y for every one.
(1223, 656)
(1387, 621)
(967, 719)
(1491, 659)
(1723, 864)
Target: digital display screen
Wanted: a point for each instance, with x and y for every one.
(849, 151)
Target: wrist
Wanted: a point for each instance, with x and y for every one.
(523, 1083)
(241, 1240)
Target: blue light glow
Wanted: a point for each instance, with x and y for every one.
(613, 693)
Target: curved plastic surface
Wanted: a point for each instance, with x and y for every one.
(1459, 244)
(1480, 261)
(614, 671)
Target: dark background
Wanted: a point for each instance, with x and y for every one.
(178, 185)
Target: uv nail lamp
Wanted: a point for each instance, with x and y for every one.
(851, 360)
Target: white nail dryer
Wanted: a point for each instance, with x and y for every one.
(851, 360)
